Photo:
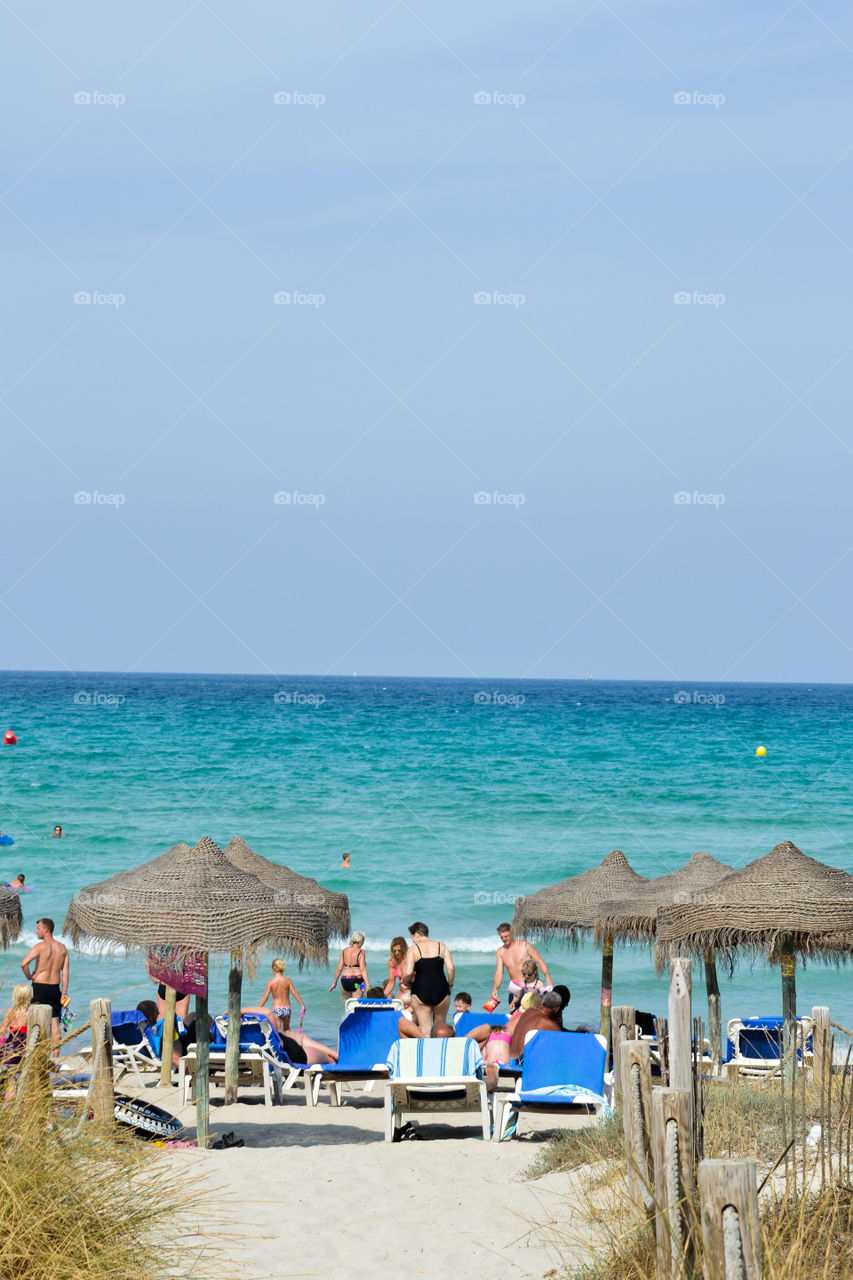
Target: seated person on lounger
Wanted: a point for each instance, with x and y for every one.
(407, 1028)
(494, 1039)
(314, 1051)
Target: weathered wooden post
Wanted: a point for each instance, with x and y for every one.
(232, 1037)
(636, 1062)
(789, 1004)
(101, 1090)
(715, 1017)
(730, 1230)
(672, 1148)
(202, 1064)
(681, 1028)
(821, 1045)
(35, 1073)
(168, 1042)
(623, 1021)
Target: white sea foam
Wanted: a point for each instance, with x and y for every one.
(88, 947)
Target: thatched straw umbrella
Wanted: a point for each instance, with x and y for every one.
(291, 888)
(634, 920)
(11, 917)
(568, 909)
(781, 905)
(195, 901)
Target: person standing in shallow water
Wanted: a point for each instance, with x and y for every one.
(428, 972)
(511, 955)
(345, 865)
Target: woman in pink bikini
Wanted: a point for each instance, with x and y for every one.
(395, 966)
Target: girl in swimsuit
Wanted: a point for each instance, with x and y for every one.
(13, 1029)
(428, 971)
(395, 966)
(352, 968)
(282, 991)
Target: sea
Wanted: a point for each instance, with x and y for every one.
(453, 797)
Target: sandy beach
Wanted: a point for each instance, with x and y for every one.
(317, 1192)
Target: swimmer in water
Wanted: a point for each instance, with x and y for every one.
(18, 882)
(345, 865)
(57, 832)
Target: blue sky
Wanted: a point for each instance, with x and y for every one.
(667, 480)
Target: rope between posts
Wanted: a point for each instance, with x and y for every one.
(732, 1245)
(638, 1128)
(673, 1185)
(838, 1027)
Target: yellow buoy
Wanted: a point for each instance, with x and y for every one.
(761, 751)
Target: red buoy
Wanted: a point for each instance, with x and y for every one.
(9, 738)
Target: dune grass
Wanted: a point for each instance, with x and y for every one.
(92, 1204)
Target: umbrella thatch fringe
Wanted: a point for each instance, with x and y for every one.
(622, 928)
(733, 944)
(11, 917)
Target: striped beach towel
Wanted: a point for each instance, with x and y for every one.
(410, 1059)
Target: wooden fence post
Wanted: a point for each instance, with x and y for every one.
(622, 1027)
(681, 1028)
(730, 1231)
(822, 1045)
(672, 1147)
(636, 1062)
(101, 1091)
(35, 1073)
(168, 1042)
(232, 1037)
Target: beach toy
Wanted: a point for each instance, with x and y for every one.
(9, 738)
(6, 840)
(491, 1004)
(761, 751)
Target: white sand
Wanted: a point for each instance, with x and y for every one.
(319, 1193)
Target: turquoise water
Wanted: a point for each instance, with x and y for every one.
(453, 797)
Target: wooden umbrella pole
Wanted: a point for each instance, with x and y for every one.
(715, 1019)
(789, 1003)
(606, 986)
(202, 1048)
(168, 1041)
(232, 1038)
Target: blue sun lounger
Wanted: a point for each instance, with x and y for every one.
(561, 1071)
(364, 1040)
(755, 1045)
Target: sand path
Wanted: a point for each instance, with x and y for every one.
(318, 1193)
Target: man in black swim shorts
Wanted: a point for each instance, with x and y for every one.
(50, 977)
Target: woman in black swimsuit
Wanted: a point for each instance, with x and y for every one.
(428, 970)
(352, 968)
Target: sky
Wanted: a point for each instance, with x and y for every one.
(487, 340)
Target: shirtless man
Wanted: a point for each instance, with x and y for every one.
(50, 977)
(511, 955)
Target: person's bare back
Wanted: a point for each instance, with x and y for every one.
(50, 957)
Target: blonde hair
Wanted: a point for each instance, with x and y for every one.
(22, 996)
(531, 1000)
(278, 965)
(356, 940)
(399, 944)
(530, 967)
